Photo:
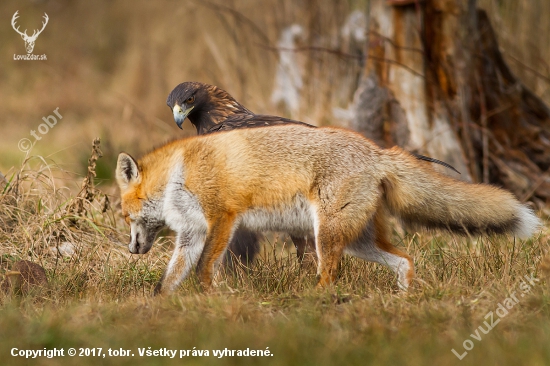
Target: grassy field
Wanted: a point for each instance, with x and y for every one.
(100, 296)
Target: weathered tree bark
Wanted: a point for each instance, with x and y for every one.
(436, 83)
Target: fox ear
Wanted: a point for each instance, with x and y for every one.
(127, 171)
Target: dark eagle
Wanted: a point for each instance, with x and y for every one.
(211, 109)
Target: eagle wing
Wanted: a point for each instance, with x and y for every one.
(237, 121)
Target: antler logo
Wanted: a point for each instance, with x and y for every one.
(29, 41)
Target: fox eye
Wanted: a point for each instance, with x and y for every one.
(190, 99)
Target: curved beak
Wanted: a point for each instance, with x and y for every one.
(180, 115)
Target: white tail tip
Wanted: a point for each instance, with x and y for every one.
(528, 224)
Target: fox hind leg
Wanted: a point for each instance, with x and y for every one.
(374, 246)
(330, 244)
(340, 217)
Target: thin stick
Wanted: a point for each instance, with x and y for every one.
(484, 137)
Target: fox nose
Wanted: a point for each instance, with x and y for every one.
(133, 247)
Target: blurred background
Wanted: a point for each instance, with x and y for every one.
(111, 64)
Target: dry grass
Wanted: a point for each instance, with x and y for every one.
(101, 296)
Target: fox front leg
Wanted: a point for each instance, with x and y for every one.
(186, 254)
(217, 241)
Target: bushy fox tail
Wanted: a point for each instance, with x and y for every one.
(420, 196)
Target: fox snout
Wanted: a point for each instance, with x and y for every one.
(138, 242)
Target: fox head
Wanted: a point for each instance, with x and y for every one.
(141, 211)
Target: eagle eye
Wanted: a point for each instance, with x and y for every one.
(190, 99)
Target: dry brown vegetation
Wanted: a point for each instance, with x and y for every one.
(110, 67)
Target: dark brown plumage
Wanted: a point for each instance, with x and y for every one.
(211, 109)
(250, 121)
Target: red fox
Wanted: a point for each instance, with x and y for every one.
(327, 181)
